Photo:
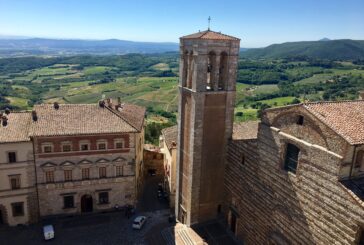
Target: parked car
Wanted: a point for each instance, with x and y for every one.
(48, 232)
(139, 222)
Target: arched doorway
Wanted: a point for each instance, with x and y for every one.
(86, 204)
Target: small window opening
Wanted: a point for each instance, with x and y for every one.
(300, 120)
(291, 160)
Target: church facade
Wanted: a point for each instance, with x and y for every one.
(296, 177)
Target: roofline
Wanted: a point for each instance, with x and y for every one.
(208, 30)
(302, 105)
(83, 134)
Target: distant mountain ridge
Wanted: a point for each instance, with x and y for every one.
(45, 46)
(343, 49)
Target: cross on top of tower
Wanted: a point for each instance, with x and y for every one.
(209, 20)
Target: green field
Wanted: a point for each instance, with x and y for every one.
(152, 81)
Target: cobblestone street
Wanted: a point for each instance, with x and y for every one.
(107, 228)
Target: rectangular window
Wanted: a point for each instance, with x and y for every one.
(101, 146)
(242, 159)
(102, 172)
(119, 171)
(84, 147)
(85, 173)
(290, 163)
(68, 175)
(12, 157)
(103, 197)
(47, 149)
(14, 182)
(18, 209)
(68, 202)
(66, 148)
(118, 145)
(49, 176)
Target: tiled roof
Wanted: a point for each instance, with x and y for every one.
(209, 35)
(132, 114)
(245, 130)
(16, 129)
(170, 135)
(76, 119)
(345, 117)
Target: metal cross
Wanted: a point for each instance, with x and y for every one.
(209, 19)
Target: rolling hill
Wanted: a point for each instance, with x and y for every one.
(344, 49)
(42, 46)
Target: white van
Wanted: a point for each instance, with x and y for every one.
(48, 232)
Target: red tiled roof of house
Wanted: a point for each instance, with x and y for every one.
(344, 117)
(17, 128)
(170, 135)
(208, 34)
(78, 119)
(245, 130)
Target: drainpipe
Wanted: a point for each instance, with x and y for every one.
(36, 179)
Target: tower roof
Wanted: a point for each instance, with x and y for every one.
(208, 34)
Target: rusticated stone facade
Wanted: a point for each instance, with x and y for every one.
(265, 203)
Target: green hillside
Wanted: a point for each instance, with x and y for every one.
(344, 49)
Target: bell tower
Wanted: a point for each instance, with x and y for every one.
(208, 67)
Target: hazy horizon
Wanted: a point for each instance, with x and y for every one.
(257, 23)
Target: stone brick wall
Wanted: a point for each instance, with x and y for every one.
(271, 204)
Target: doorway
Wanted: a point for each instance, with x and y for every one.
(233, 222)
(86, 204)
(1, 217)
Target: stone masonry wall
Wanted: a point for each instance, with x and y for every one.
(309, 207)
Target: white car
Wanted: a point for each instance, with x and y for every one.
(48, 232)
(139, 222)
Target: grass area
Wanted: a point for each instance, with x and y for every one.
(161, 67)
(160, 93)
(281, 101)
(19, 102)
(248, 114)
(95, 69)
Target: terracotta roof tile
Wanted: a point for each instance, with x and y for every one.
(345, 117)
(16, 129)
(132, 114)
(170, 135)
(75, 119)
(245, 130)
(210, 35)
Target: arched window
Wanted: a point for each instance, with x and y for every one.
(185, 68)
(211, 67)
(359, 161)
(223, 70)
(291, 159)
(190, 70)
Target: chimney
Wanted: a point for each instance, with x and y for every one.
(174, 144)
(102, 103)
(56, 105)
(34, 116)
(4, 121)
(361, 95)
(7, 111)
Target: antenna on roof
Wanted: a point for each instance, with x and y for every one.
(209, 21)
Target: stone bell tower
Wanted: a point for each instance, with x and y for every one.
(208, 68)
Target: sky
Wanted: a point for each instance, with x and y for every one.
(257, 22)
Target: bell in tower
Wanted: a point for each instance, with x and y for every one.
(208, 68)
